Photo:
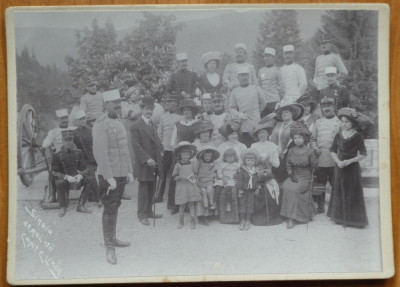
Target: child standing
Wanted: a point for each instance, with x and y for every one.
(227, 171)
(186, 191)
(206, 170)
(248, 186)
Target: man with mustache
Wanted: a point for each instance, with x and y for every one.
(230, 79)
(92, 102)
(184, 83)
(69, 168)
(53, 141)
(110, 150)
(321, 141)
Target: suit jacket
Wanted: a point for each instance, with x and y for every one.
(146, 145)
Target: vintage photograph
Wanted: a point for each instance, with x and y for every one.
(191, 143)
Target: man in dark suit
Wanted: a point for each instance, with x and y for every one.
(148, 159)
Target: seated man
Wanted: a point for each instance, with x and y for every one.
(68, 166)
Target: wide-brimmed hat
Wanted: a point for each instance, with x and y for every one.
(203, 126)
(227, 129)
(188, 104)
(296, 109)
(250, 151)
(185, 145)
(147, 101)
(299, 128)
(268, 126)
(355, 116)
(211, 56)
(215, 153)
(307, 100)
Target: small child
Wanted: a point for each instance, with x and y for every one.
(248, 186)
(186, 191)
(206, 171)
(227, 171)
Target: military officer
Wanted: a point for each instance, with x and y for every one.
(92, 102)
(83, 140)
(325, 130)
(327, 59)
(68, 167)
(184, 83)
(114, 167)
(339, 93)
(53, 139)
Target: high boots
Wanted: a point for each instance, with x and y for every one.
(321, 203)
(118, 243)
(108, 233)
(82, 201)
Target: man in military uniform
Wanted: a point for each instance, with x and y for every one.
(184, 83)
(229, 78)
(114, 167)
(148, 164)
(83, 140)
(339, 93)
(324, 132)
(53, 142)
(92, 102)
(69, 169)
(327, 59)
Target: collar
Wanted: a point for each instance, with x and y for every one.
(270, 65)
(218, 113)
(330, 117)
(290, 63)
(333, 85)
(146, 120)
(172, 111)
(327, 52)
(184, 163)
(245, 86)
(187, 123)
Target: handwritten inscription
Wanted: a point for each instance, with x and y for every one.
(37, 237)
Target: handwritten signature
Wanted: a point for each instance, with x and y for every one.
(34, 238)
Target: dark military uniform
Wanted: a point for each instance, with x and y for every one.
(339, 93)
(70, 163)
(83, 140)
(183, 81)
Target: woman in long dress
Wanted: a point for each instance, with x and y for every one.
(347, 206)
(296, 198)
(266, 209)
(286, 114)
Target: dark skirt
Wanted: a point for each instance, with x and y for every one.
(224, 196)
(347, 205)
(264, 214)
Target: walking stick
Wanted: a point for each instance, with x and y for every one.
(309, 193)
(266, 201)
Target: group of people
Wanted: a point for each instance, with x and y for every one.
(244, 147)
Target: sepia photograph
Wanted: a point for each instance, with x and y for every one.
(198, 143)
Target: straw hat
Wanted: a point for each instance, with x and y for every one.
(296, 109)
(185, 145)
(355, 116)
(188, 104)
(203, 126)
(215, 153)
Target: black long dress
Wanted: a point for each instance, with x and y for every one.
(347, 204)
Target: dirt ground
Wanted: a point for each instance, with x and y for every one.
(72, 246)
